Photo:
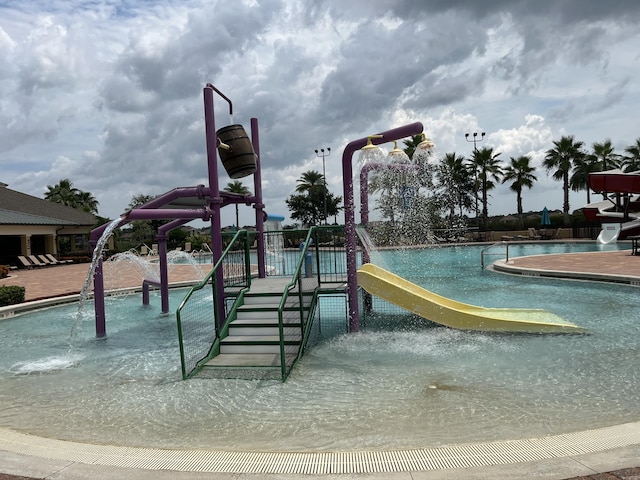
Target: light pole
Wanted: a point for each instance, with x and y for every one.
(322, 153)
(475, 167)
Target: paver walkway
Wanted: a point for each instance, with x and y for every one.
(61, 280)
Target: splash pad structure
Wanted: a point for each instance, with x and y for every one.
(185, 204)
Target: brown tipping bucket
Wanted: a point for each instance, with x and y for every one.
(239, 160)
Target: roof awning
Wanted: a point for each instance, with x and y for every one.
(615, 181)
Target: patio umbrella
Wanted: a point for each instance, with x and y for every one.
(544, 219)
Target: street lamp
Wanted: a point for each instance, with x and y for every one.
(475, 140)
(322, 153)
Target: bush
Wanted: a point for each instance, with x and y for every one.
(11, 295)
(4, 271)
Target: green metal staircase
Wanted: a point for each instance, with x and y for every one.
(267, 320)
(252, 346)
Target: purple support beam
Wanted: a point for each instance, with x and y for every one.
(98, 301)
(215, 202)
(258, 205)
(349, 216)
(163, 232)
(166, 213)
(199, 191)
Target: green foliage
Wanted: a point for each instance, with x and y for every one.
(308, 205)
(11, 295)
(65, 193)
(197, 239)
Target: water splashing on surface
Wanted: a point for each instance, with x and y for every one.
(97, 256)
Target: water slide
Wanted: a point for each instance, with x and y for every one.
(609, 233)
(392, 288)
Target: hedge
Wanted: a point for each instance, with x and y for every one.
(11, 295)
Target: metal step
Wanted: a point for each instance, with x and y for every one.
(256, 343)
(236, 330)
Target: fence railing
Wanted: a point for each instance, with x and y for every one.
(298, 302)
(314, 256)
(196, 315)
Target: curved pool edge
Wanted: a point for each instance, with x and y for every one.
(504, 266)
(463, 456)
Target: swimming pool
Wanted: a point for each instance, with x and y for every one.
(404, 385)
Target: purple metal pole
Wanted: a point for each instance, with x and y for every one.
(199, 191)
(258, 205)
(214, 196)
(98, 301)
(164, 269)
(166, 213)
(98, 282)
(349, 216)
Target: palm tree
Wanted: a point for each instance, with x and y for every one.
(605, 155)
(87, 202)
(561, 158)
(580, 177)
(521, 172)
(631, 161)
(310, 180)
(489, 169)
(455, 183)
(411, 144)
(605, 158)
(63, 192)
(237, 188)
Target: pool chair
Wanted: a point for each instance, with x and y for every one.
(44, 260)
(55, 261)
(35, 261)
(25, 263)
(533, 235)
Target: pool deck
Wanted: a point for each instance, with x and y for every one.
(618, 459)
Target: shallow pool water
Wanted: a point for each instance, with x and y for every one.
(409, 384)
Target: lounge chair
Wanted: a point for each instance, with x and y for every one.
(45, 260)
(35, 261)
(55, 261)
(533, 235)
(25, 263)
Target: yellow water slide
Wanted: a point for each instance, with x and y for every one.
(392, 288)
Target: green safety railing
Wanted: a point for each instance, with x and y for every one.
(298, 302)
(196, 315)
(317, 257)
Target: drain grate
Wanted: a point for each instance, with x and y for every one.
(209, 461)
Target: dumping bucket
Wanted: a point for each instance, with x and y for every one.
(239, 160)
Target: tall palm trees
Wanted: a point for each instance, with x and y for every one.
(521, 172)
(65, 193)
(239, 189)
(566, 152)
(631, 161)
(456, 183)
(487, 164)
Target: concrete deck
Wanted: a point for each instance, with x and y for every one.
(28, 457)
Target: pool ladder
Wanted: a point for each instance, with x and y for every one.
(485, 251)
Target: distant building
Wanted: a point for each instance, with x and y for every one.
(34, 226)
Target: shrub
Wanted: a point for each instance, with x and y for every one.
(4, 271)
(11, 295)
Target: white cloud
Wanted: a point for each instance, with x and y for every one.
(109, 94)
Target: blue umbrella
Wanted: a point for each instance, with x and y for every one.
(545, 220)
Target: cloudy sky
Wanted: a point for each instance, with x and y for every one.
(109, 93)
